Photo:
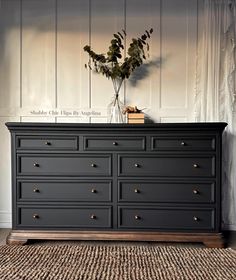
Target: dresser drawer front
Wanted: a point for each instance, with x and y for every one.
(81, 191)
(114, 143)
(79, 217)
(183, 143)
(167, 219)
(47, 143)
(169, 166)
(92, 165)
(141, 192)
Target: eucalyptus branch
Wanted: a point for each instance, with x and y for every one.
(112, 65)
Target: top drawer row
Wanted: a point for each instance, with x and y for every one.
(116, 143)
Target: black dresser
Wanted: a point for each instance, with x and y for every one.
(156, 182)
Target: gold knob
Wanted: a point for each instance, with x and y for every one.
(93, 191)
(137, 217)
(195, 218)
(36, 216)
(36, 190)
(47, 143)
(183, 143)
(136, 165)
(93, 165)
(93, 217)
(115, 143)
(195, 191)
(195, 165)
(36, 165)
(136, 191)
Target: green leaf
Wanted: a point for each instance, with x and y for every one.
(144, 37)
(147, 34)
(120, 35)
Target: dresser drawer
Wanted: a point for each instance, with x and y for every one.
(47, 143)
(116, 143)
(178, 219)
(178, 143)
(167, 165)
(62, 165)
(79, 217)
(80, 191)
(136, 191)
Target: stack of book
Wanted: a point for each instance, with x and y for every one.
(135, 117)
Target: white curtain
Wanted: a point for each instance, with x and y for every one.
(215, 98)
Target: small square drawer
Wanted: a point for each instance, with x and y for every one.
(166, 219)
(178, 143)
(61, 217)
(167, 165)
(79, 191)
(47, 142)
(157, 191)
(114, 143)
(64, 165)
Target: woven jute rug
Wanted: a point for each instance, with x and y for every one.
(81, 262)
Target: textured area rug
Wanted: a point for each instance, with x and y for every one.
(81, 262)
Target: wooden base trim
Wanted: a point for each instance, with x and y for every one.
(20, 237)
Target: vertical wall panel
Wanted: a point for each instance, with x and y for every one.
(72, 36)
(9, 55)
(5, 172)
(142, 89)
(107, 17)
(38, 53)
(177, 45)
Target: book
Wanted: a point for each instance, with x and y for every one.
(135, 115)
(136, 120)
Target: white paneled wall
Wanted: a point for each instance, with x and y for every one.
(42, 73)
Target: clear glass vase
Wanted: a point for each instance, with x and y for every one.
(116, 107)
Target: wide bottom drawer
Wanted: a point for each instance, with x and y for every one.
(70, 217)
(159, 218)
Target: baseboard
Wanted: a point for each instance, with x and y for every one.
(5, 219)
(229, 227)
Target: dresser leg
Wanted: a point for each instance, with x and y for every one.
(217, 242)
(15, 240)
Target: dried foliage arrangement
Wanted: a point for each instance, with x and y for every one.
(111, 65)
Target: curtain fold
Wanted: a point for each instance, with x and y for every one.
(215, 97)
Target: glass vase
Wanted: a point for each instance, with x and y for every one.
(116, 107)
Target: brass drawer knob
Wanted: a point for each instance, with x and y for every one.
(195, 165)
(137, 217)
(93, 217)
(93, 191)
(47, 143)
(195, 218)
(36, 190)
(114, 143)
(195, 191)
(36, 216)
(136, 165)
(36, 164)
(93, 165)
(183, 143)
(136, 191)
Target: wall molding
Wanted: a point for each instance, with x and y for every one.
(231, 227)
(5, 219)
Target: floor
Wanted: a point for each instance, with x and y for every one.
(230, 240)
